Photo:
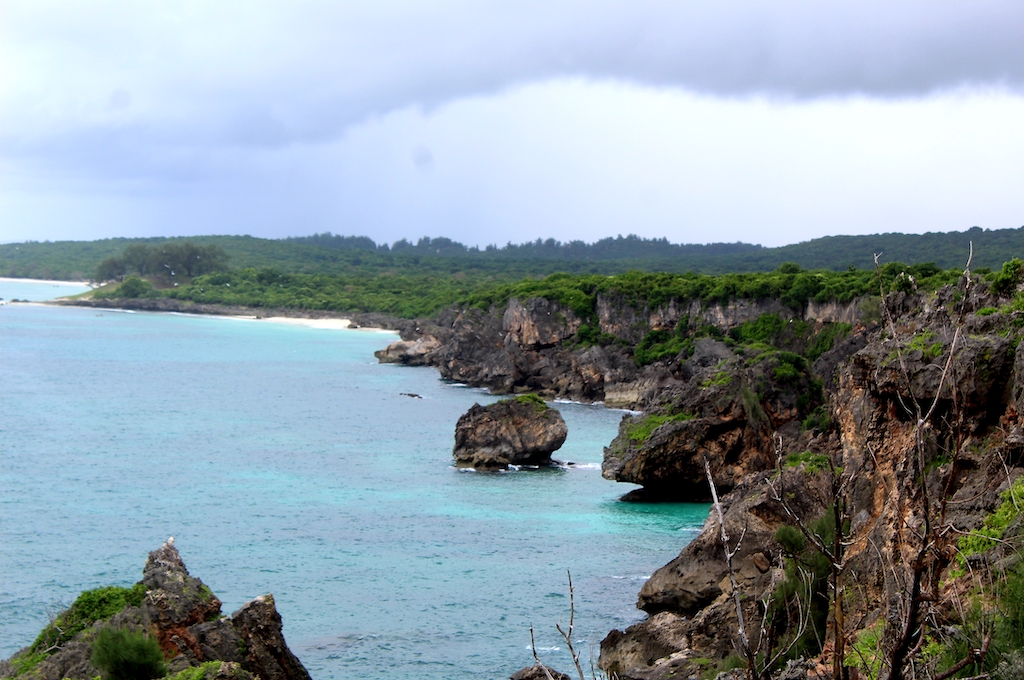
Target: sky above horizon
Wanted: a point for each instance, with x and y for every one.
(495, 122)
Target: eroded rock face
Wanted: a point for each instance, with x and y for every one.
(409, 352)
(724, 409)
(643, 645)
(184, 616)
(538, 323)
(510, 432)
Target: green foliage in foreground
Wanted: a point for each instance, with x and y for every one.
(804, 592)
(992, 529)
(1001, 618)
(89, 607)
(124, 655)
(209, 669)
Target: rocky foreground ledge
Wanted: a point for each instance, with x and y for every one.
(178, 611)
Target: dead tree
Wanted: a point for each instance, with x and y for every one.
(904, 630)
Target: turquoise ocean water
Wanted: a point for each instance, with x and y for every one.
(284, 459)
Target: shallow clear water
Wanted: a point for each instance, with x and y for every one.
(284, 459)
(17, 289)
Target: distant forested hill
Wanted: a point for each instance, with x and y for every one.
(359, 255)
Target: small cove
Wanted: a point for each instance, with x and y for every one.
(284, 459)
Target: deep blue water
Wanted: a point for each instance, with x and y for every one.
(284, 459)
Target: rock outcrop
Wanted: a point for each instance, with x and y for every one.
(519, 431)
(880, 385)
(723, 408)
(541, 346)
(409, 352)
(184, 617)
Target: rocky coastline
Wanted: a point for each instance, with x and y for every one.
(904, 413)
(897, 419)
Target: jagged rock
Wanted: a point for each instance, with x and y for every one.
(218, 640)
(184, 617)
(520, 431)
(175, 601)
(475, 352)
(266, 653)
(536, 672)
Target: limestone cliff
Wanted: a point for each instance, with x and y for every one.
(924, 435)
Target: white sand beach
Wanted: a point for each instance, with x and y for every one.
(329, 324)
(47, 281)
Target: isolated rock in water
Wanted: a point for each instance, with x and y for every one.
(519, 431)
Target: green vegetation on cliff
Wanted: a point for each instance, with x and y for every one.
(531, 399)
(91, 606)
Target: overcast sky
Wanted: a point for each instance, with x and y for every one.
(488, 122)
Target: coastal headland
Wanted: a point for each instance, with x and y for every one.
(864, 456)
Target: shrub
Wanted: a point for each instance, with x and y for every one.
(825, 340)
(817, 421)
(642, 431)
(1009, 278)
(531, 399)
(994, 525)
(133, 287)
(210, 669)
(89, 607)
(805, 590)
(812, 462)
(720, 379)
(659, 344)
(121, 654)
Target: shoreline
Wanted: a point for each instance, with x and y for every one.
(319, 319)
(47, 281)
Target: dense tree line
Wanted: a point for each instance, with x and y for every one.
(181, 258)
(359, 255)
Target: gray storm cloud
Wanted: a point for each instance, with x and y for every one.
(509, 119)
(196, 73)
